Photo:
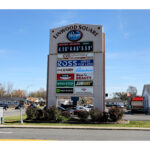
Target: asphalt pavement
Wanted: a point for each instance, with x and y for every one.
(74, 134)
(13, 112)
(136, 117)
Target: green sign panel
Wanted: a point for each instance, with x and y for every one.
(65, 83)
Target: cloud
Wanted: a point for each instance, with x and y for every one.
(122, 26)
(64, 19)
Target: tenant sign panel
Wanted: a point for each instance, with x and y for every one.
(65, 83)
(75, 56)
(65, 70)
(74, 63)
(83, 83)
(83, 90)
(65, 76)
(64, 90)
(84, 76)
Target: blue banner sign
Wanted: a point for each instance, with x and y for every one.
(74, 63)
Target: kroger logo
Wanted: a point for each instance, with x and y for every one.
(74, 35)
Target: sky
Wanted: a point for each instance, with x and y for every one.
(24, 45)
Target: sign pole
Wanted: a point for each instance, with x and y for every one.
(2, 115)
(21, 121)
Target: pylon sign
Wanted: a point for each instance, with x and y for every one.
(76, 63)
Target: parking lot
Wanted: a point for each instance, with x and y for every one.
(13, 112)
(136, 116)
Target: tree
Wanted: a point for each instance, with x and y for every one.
(9, 89)
(2, 90)
(132, 91)
(40, 93)
(18, 93)
(121, 95)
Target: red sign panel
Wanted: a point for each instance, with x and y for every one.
(65, 76)
(138, 98)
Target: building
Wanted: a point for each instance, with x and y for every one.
(146, 96)
(12, 101)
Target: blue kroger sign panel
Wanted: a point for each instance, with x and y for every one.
(74, 63)
(74, 35)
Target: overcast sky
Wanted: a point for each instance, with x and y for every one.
(24, 45)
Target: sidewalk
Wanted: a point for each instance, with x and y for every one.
(74, 127)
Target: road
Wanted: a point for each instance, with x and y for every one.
(73, 134)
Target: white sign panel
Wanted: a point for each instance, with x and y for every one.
(85, 69)
(84, 76)
(1, 112)
(75, 56)
(65, 69)
(83, 90)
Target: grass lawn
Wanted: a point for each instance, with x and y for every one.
(14, 120)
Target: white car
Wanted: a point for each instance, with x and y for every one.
(82, 108)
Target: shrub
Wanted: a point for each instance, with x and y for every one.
(115, 113)
(83, 115)
(31, 113)
(105, 116)
(54, 114)
(66, 114)
(51, 113)
(40, 114)
(96, 114)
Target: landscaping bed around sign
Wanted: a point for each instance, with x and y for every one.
(53, 114)
(77, 121)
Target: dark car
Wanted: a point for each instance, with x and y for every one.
(5, 106)
(33, 106)
(61, 108)
(19, 106)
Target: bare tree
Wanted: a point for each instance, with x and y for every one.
(9, 89)
(121, 95)
(2, 90)
(132, 91)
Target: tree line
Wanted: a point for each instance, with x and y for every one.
(9, 91)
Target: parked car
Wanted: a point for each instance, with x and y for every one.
(5, 106)
(120, 105)
(109, 104)
(67, 109)
(33, 105)
(19, 106)
(82, 108)
(71, 110)
(61, 108)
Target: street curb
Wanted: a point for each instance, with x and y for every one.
(74, 127)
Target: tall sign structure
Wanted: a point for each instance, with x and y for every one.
(76, 63)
